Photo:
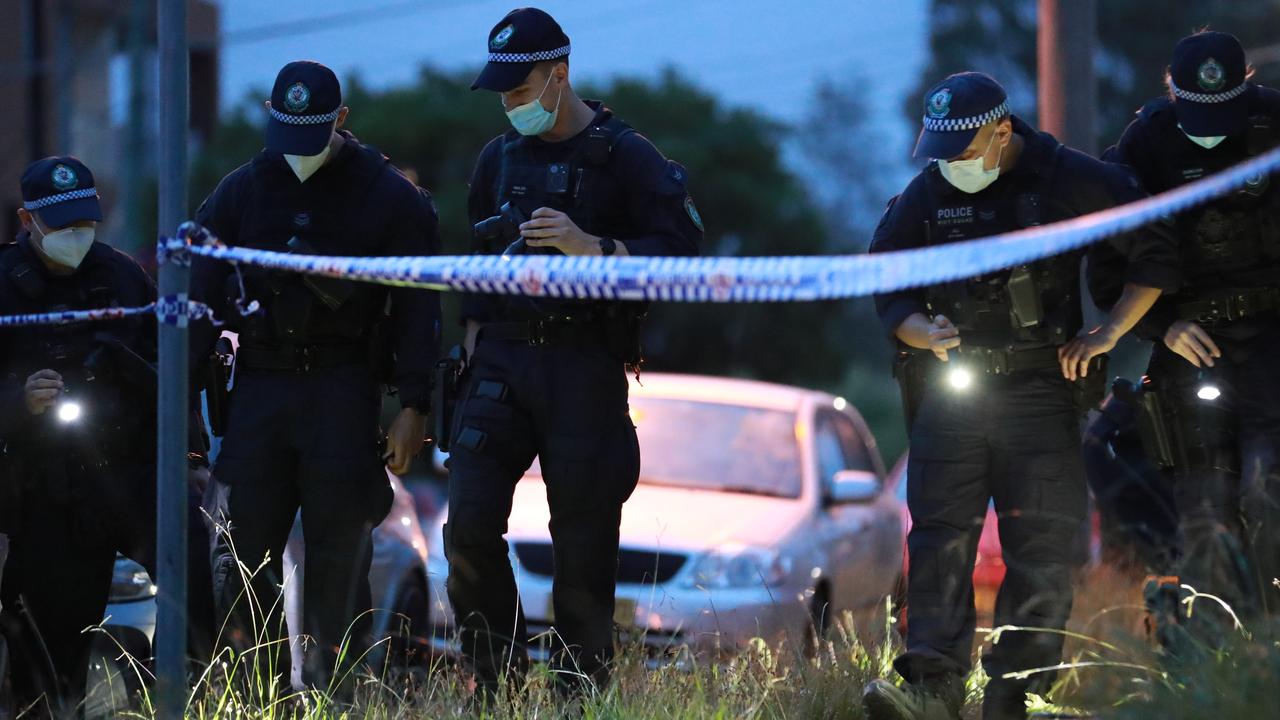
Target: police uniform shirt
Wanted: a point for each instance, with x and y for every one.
(357, 204)
(1163, 158)
(639, 197)
(930, 211)
(106, 277)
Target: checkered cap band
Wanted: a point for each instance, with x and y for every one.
(529, 57)
(45, 202)
(934, 124)
(304, 119)
(1208, 98)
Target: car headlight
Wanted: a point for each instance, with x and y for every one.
(736, 567)
(130, 582)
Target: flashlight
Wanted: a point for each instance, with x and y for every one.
(959, 378)
(1208, 389)
(69, 411)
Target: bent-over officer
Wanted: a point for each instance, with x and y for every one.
(993, 366)
(77, 438)
(302, 424)
(1212, 380)
(547, 377)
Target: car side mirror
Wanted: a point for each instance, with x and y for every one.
(853, 486)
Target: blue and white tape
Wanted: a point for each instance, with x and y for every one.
(75, 316)
(170, 310)
(702, 279)
(756, 279)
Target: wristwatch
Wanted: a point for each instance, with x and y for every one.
(608, 246)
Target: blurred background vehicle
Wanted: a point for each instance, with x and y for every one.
(761, 512)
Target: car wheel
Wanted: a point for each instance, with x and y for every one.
(411, 628)
(819, 619)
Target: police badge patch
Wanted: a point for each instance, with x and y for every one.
(940, 103)
(64, 178)
(297, 97)
(1211, 75)
(503, 37)
(694, 215)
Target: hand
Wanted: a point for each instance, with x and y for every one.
(552, 228)
(1191, 342)
(405, 440)
(42, 391)
(1075, 355)
(198, 480)
(943, 336)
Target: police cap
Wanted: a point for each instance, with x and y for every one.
(520, 40)
(61, 191)
(305, 102)
(1207, 81)
(954, 110)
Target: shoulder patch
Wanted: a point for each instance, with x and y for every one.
(676, 177)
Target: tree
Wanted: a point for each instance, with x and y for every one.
(1135, 44)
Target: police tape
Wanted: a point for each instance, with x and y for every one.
(697, 279)
(754, 279)
(171, 310)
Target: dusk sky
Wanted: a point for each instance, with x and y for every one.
(759, 53)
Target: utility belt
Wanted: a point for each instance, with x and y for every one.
(301, 358)
(618, 325)
(917, 369)
(553, 330)
(1230, 305)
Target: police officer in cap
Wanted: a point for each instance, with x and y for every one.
(547, 378)
(302, 427)
(995, 364)
(1213, 368)
(77, 436)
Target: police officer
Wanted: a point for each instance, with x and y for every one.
(302, 426)
(77, 429)
(546, 377)
(996, 418)
(1216, 340)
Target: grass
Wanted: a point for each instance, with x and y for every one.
(1109, 668)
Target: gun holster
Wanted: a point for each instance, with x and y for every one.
(444, 393)
(910, 369)
(218, 385)
(1088, 392)
(1160, 441)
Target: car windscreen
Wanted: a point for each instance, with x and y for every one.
(715, 446)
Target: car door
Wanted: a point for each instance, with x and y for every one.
(864, 551)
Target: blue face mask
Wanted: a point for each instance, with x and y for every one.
(533, 119)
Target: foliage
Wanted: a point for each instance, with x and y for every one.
(1135, 44)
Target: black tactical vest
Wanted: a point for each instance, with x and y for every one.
(1028, 306)
(1233, 241)
(534, 175)
(117, 397)
(299, 309)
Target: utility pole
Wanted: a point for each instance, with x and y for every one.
(135, 146)
(171, 451)
(33, 60)
(1066, 36)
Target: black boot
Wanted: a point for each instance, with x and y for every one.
(938, 698)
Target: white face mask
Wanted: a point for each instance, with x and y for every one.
(1207, 142)
(533, 119)
(304, 166)
(66, 247)
(969, 175)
